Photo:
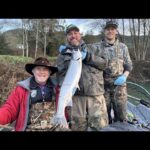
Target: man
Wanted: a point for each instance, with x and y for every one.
(30, 103)
(116, 73)
(89, 107)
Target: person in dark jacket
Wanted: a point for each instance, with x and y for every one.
(88, 110)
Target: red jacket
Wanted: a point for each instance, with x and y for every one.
(16, 107)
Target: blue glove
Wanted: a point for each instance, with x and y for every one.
(84, 53)
(63, 49)
(120, 80)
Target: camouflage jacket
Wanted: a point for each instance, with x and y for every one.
(91, 81)
(118, 58)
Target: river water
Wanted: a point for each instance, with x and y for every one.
(138, 92)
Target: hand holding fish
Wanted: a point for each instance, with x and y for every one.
(60, 120)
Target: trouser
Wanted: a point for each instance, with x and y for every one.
(116, 99)
(89, 111)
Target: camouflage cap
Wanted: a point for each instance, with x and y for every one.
(111, 24)
(71, 27)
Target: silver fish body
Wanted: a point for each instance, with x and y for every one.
(69, 85)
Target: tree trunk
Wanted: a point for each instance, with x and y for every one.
(45, 44)
(146, 39)
(123, 29)
(27, 46)
(23, 50)
(132, 37)
(37, 36)
(138, 41)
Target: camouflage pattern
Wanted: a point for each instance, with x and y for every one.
(116, 98)
(91, 86)
(118, 58)
(91, 82)
(89, 111)
(40, 115)
(118, 61)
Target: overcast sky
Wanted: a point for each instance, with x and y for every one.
(83, 24)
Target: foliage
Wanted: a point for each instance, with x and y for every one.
(3, 45)
(15, 59)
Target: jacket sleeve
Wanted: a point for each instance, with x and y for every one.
(96, 57)
(9, 110)
(127, 60)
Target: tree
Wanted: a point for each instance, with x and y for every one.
(100, 24)
(146, 34)
(123, 30)
(3, 45)
(140, 34)
(26, 24)
(37, 32)
(37, 37)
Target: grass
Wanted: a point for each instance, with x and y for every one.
(20, 59)
(15, 59)
(52, 58)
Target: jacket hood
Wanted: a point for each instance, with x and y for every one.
(25, 83)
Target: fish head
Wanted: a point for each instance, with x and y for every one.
(76, 54)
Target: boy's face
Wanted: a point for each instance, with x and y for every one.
(110, 33)
(41, 74)
(74, 37)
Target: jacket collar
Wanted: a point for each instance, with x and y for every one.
(25, 83)
(30, 82)
(106, 44)
(34, 84)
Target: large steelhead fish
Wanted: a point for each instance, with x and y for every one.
(68, 88)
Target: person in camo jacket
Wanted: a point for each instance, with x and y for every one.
(116, 73)
(88, 110)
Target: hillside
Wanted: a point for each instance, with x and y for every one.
(13, 37)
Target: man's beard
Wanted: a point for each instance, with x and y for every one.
(74, 43)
